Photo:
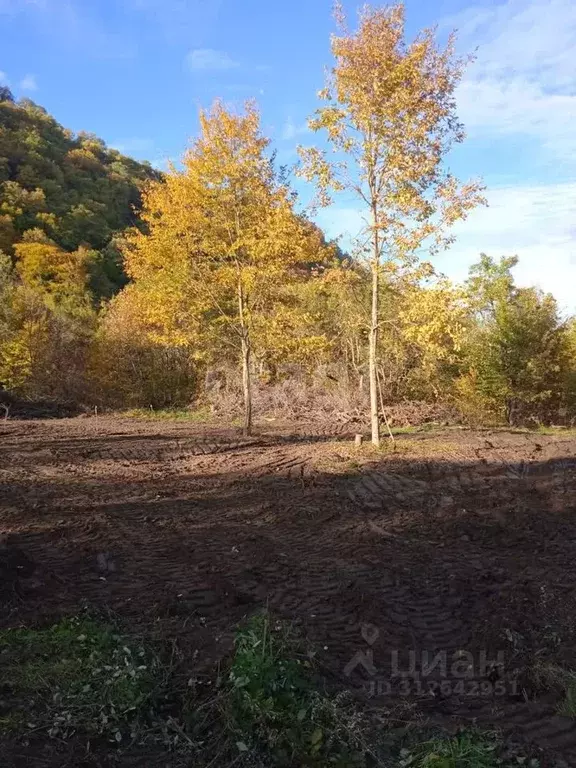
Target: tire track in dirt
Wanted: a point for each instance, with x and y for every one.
(286, 463)
(170, 452)
(382, 489)
(530, 721)
(201, 530)
(546, 729)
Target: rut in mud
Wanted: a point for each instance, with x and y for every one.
(452, 540)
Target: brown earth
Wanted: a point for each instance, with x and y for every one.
(450, 540)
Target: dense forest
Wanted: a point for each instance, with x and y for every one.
(71, 192)
(208, 285)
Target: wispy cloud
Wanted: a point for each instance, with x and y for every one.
(209, 60)
(533, 221)
(290, 129)
(4, 78)
(524, 80)
(28, 83)
(523, 87)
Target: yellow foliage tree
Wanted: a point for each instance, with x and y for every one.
(132, 363)
(390, 119)
(51, 270)
(222, 243)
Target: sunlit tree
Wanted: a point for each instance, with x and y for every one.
(223, 242)
(389, 119)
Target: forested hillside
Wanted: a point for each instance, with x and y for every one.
(65, 191)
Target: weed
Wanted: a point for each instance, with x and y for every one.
(77, 676)
(83, 678)
(564, 681)
(277, 711)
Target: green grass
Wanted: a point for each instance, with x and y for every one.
(536, 430)
(468, 749)
(276, 710)
(77, 676)
(571, 431)
(169, 414)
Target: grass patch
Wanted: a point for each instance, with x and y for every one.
(535, 430)
(468, 749)
(431, 446)
(169, 414)
(570, 431)
(78, 676)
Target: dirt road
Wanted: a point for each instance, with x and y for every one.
(450, 541)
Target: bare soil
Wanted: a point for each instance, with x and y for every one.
(450, 540)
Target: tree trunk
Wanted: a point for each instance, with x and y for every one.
(245, 346)
(246, 385)
(373, 335)
(372, 348)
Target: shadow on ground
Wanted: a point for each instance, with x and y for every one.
(462, 543)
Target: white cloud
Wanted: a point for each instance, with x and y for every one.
(4, 78)
(536, 223)
(523, 86)
(208, 59)
(28, 83)
(524, 80)
(290, 129)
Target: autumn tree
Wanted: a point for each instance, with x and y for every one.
(128, 367)
(389, 118)
(223, 244)
(46, 322)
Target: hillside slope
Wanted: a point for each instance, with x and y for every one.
(70, 189)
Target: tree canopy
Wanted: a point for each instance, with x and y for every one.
(71, 190)
(124, 287)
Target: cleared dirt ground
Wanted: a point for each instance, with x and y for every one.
(450, 540)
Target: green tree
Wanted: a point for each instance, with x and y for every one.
(518, 354)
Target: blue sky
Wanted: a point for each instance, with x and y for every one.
(135, 72)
